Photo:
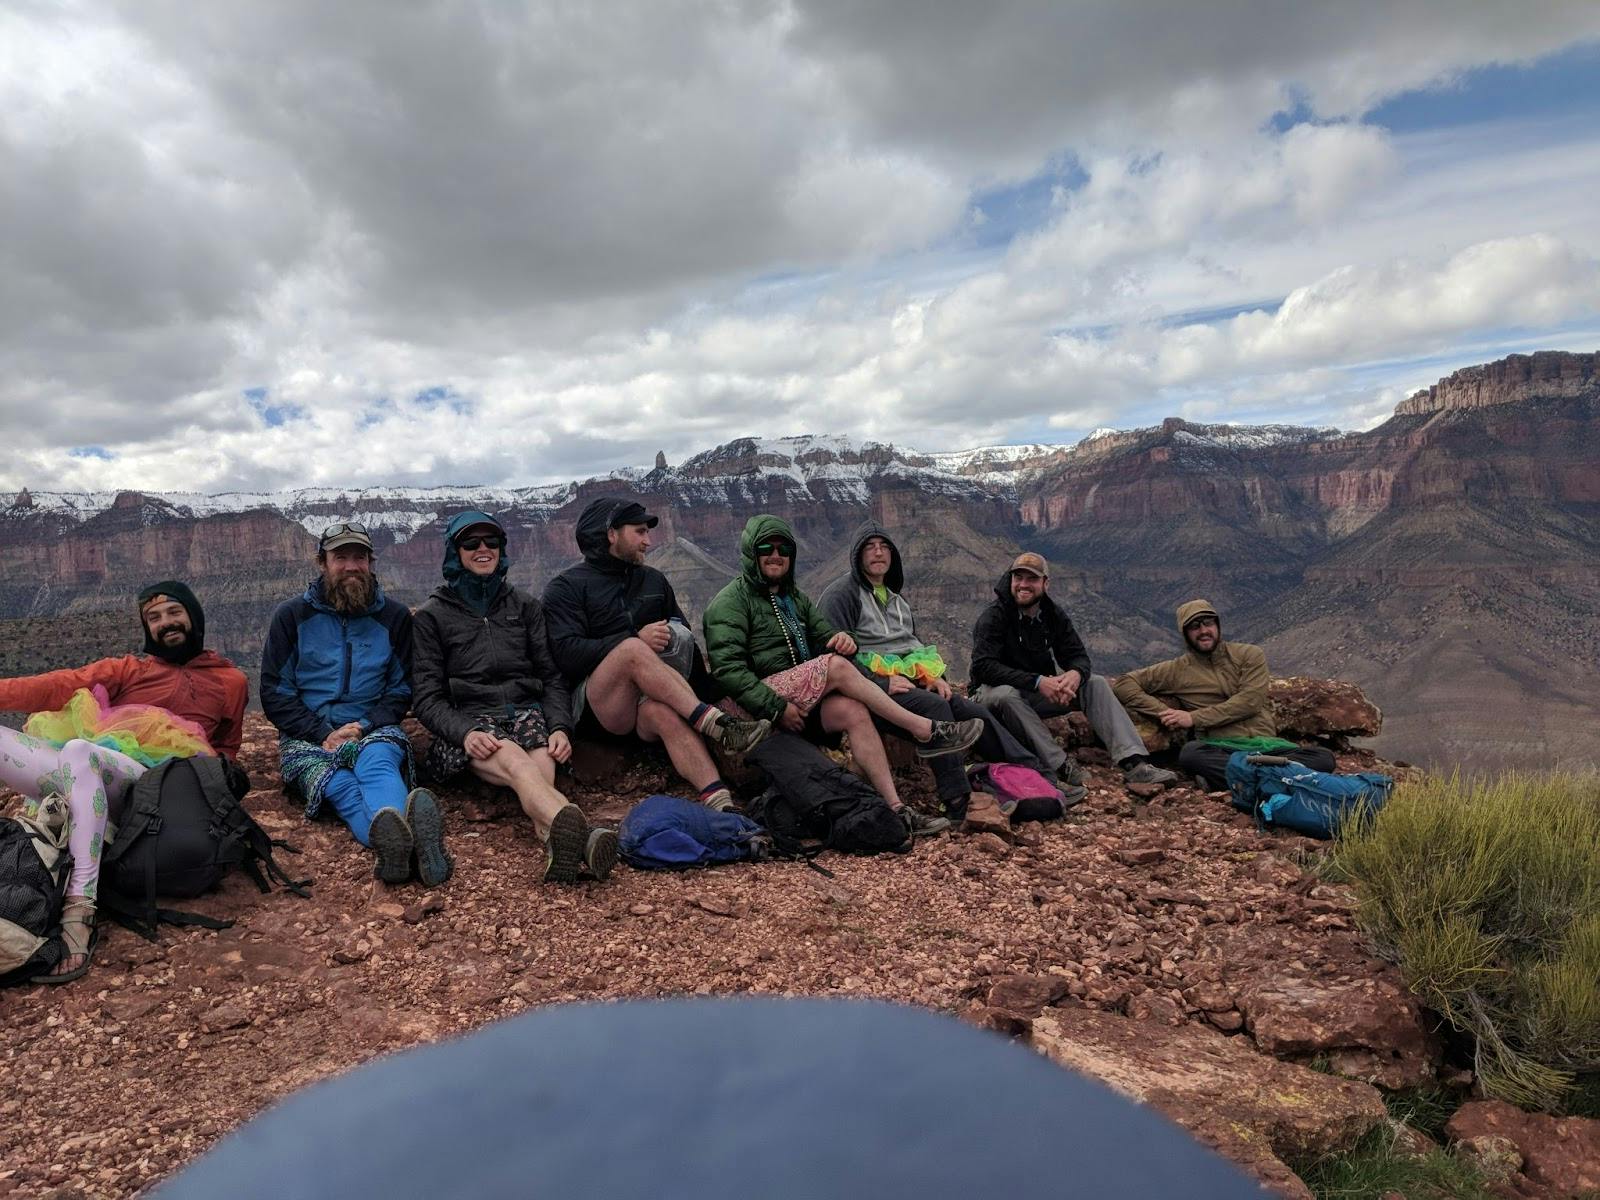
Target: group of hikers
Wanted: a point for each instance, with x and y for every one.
(503, 681)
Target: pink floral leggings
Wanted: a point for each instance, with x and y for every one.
(90, 777)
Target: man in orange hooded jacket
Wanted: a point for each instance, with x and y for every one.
(175, 673)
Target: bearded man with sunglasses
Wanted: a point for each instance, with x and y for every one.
(336, 682)
(1031, 664)
(778, 658)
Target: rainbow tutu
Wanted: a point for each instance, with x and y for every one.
(145, 733)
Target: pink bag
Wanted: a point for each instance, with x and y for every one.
(1022, 793)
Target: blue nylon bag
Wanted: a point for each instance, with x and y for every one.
(1320, 805)
(667, 833)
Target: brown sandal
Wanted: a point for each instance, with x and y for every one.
(80, 935)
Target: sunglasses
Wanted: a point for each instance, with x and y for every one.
(333, 531)
(786, 549)
(494, 541)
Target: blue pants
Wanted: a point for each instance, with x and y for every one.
(360, 793)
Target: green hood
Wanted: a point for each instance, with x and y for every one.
(759, 528)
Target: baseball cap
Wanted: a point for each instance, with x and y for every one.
(345, 533)
(631, 512)
(1029, 561)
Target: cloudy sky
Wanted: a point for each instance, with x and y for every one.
(261, 245)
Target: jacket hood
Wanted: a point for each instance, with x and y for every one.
(756, 529)
(895, 580)
(590, 533)
(476, 591)
(195, 642)
(1188, 612)
(1196, 608)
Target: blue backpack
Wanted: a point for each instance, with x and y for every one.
(1285, 795)
(666, 833)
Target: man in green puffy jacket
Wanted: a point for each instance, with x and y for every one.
(778, 658)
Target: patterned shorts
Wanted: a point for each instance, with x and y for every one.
(801, 686)
(523, 726)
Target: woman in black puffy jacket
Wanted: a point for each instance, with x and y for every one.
(486, 687)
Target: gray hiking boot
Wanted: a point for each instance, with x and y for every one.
(1070, 773)
(951, 737)
(391, 840)
(434, 864)
(565, 845)
(920, 824)
(1148, 772)
(735, 736)
(600, 853)
(1071, 796)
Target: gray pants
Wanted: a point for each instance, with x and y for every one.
(1023, 713)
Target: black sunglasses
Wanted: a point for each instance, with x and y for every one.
(776, 547)
(494, 541)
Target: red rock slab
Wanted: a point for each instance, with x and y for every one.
(1561, 1154)
(1198, 1077)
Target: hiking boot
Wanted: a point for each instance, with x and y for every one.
(390, 838)
(951, 737)
(1071, 796)
(1071, 773)
(565, 845)
(600, 853)
(1148, 772)
(427, 834)
(737, 736)
(955, 810)
(920, 824)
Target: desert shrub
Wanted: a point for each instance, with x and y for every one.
(1486, 893)
(1376, 1166)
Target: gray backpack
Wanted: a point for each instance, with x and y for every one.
(34, 865)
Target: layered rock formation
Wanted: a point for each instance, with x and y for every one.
(1445, 560)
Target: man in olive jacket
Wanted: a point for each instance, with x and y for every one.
(1215, 692)
(761, 625)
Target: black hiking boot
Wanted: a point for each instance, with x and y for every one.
(565, 844)
(951, 737)
(920, 824)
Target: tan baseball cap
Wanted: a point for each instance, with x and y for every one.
(1035, 563)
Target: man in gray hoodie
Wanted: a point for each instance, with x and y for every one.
(868, 601)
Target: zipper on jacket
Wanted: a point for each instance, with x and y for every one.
(344, 683)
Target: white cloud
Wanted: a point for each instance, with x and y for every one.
(662, 225)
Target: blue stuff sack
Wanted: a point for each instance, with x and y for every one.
(666, 833)
(1320, 805)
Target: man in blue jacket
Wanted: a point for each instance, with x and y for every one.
(336, 681)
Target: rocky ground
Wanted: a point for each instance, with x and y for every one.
(1163, 945)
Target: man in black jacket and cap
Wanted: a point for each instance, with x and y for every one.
(1032, 664)
(627, 652)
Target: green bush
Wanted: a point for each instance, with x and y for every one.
(1486, 892)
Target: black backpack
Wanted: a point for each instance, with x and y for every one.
(34, 866)
(813, 799)
(182, 830)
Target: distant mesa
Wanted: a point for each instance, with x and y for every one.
(1545, 375)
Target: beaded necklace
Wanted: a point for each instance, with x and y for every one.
(783, 624)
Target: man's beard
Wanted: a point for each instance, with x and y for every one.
(351, 595)
(176, 652)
